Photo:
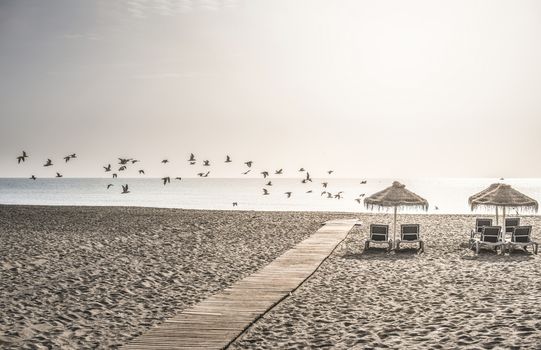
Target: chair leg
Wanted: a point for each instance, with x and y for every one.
(535, 248)
(476, 248)
(422, 246)
(397, 248)
(390, 246)
(366, 245)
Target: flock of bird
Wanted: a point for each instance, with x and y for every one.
(124, 163)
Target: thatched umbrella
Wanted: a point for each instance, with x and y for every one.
(502, 195)
(482, 193)
(396, 196)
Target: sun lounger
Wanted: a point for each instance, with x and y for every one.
(410, 233)
(510, 224)
(491, 237)
(379, 234)
(522, 237)
(479, 224)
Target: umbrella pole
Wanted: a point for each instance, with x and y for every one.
(497, 222)
(394, 232)
(503, 223)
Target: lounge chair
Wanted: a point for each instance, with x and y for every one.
(479, 224)
(510, 224)
(379, 234)
(522, 237)
(410, 233)
(491, 237)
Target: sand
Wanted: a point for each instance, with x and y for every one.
(97, 277)
(446, 298)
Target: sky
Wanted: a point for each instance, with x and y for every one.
(386, 88)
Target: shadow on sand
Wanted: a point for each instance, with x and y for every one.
(517, 255)
(383, 254)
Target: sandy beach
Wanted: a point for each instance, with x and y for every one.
(91, 277)
(445, 298)
(96, 277)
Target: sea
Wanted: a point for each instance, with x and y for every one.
(445, 195)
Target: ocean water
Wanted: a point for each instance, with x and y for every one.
(448, 195)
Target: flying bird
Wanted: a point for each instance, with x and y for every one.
(329, 195)
(206, 163)
(142, 172)
(249, 163)
(166, 180)
(165, 161)
(265, 174)
(192, 158)
(246, 172)
(134, 161)
(358, 200)
(301, 169)
(125, 189)
(49, 163)
(178, 178)
(22, 158)
(363, 182)
(122, 168)
(309, 191)
(338, 195)
(204, 174)
(322, 193)
(58, 175)
(269, 183)
(192, 163)
(308, 178)
(114, 176)
(68, 157)
(32, 177)
(436, 207)
(324, 184)
(265, 192)
(278, 172)
(123, 161)
(288, 194)
(330, 172)
(228, 159)
(109, 186)
(235, 204)
(107, 168)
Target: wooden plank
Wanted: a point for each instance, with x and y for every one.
(217, 321)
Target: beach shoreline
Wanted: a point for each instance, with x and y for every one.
(99, 276)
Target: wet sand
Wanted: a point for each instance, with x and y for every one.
(85, 277)
(445, 298)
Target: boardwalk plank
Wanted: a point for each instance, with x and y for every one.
(217, 321)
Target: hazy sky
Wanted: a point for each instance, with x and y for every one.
(368, 88)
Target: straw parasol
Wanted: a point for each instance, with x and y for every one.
(502, 195)
(397, 197)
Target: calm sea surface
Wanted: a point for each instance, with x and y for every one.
(449, 195)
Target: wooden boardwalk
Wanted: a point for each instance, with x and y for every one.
(216, 322)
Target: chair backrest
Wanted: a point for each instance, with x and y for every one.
(480, 223)
(511, 223)
(379, 232)
(409, 232)
(521, 234)
(491, 234)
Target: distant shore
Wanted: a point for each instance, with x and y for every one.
(80, 277)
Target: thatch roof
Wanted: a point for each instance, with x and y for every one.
(504, 196)
(396, 196)
(483, 192)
